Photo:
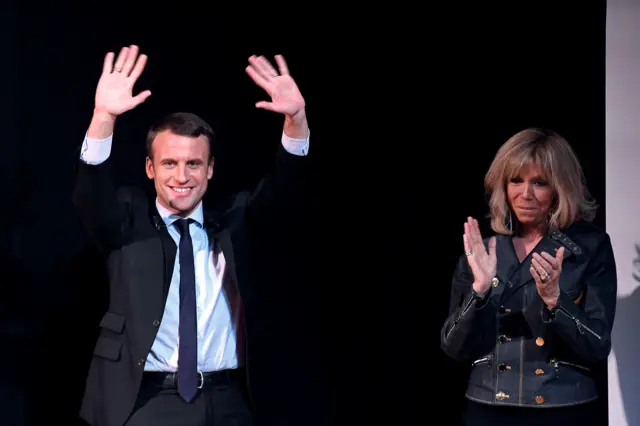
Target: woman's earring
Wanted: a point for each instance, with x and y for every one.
(510, 221)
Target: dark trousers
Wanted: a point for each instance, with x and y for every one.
(216, 404)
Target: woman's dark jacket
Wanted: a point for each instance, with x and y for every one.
(521, 352)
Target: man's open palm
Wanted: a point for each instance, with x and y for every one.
(285, 95)
(114, 94)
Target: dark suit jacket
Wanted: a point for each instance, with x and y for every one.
(522, 353)
(140, 259)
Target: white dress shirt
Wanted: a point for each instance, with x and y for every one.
(218, 314)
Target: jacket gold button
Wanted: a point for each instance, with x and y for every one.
(539, 399)
(501, 395)
(495, 282)
(539, 371)
(502, 339)
(540, 341)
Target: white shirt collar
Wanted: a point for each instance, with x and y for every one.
(169, 217)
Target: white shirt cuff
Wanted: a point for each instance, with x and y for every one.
(296, 146)
(96, 151)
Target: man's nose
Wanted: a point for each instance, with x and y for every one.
(182, 174)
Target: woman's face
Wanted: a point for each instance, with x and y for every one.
(530, 196)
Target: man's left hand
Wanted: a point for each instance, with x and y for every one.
(285, 95)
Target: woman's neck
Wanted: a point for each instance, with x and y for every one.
(533, 233)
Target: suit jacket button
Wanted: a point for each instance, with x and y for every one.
(539, 371)
(140, 362)
(539, 399)
(156, 323)
(540, 341)
(495, 281)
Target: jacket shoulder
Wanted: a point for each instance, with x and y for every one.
(582, 237)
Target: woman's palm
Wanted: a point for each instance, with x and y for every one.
(483, 262)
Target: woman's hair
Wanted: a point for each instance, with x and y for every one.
(561, 169)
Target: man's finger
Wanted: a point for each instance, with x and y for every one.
(137, 70)
(131, 60)
(256, 77)
(282, 64)
(140, 98)
(265, 105)
(265, 67)
(121, 58)
(107, 66)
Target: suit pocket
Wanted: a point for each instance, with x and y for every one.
(109, 344)
(113, 322)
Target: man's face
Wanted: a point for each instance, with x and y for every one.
(180, 170)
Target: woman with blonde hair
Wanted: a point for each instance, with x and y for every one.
(532, 307)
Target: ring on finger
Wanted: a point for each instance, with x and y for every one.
(468, 252)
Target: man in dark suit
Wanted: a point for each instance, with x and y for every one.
(171, 349)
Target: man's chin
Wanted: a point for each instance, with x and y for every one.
(183, 205)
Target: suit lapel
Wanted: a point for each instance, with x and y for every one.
(168, 248)
(220, 238)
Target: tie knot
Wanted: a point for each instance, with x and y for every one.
(183, 225)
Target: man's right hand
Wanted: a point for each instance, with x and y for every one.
(114, 94)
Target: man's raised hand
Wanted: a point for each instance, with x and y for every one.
(114, 94)
(285, 95)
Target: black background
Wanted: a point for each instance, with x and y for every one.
(406, 108)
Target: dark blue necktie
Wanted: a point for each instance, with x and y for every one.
(188, 348)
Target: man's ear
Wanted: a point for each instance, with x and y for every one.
(210, 169)
(149, 168)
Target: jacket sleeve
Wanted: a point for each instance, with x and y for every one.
(280, 193)
(587, 327)
(470, 317)
(102, 209)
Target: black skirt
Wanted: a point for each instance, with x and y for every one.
(477, 414)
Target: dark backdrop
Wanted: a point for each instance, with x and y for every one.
(406, 109)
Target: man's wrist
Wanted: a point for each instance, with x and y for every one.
(295, 126)
(102, 125)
